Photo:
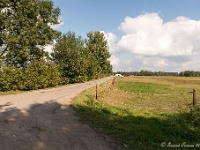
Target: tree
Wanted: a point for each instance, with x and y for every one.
(25, 27)
(41, 74)
(80, 60)
(98, 53)
(68, 53)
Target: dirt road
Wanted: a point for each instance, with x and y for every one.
(45, 120)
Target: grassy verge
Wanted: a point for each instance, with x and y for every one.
(10, 92)
(19, 92)
(144, 113)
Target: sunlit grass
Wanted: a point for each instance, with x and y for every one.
(143, 112)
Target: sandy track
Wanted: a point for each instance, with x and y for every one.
(45, 120)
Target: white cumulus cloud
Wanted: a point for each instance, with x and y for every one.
(158, 44)
(113, 60)
(148, 35)
(112, 40)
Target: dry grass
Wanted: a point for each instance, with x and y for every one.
(143, 112)
(172, 93)
(191, 82)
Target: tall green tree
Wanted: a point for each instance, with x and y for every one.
(80, 60)
(68, 53)
(25, 27)
(97, 47)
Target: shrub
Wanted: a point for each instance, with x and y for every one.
(11, 79)
(41, 75)
(37, 75)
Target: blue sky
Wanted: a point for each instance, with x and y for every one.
(135, 20)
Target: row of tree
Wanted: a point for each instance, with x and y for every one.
(81, 60)
(25, 30)
(160, 73)
(190, 73)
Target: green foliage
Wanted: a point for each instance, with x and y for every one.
(41, 75)
(192, 115)
(68, 53)
(190, 73)
(25, 27)
(80, 60)
(11, 79)
(38, 75)
(54, 76)
(98, 49)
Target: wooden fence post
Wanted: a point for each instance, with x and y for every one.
(96, 91)
(194, 97)
(114, 81)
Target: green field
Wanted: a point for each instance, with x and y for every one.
(144, 112)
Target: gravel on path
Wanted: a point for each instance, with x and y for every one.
(45, 120)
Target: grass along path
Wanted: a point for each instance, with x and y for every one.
(144, 112)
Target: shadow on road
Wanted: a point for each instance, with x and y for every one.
(49, 126)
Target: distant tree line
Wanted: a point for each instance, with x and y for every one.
(190, 73)
(25, 30)
(160, 73)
